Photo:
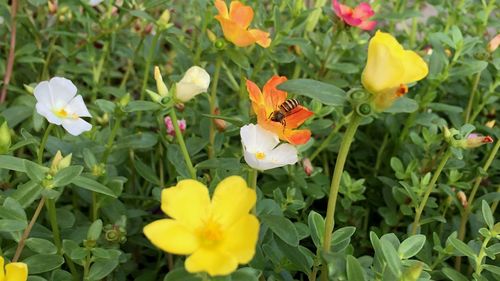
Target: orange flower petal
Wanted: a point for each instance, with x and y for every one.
(235, 33)
(297, 137)
(272, 96)
(222, 8)
(261, 37)
(298, 116)
(240, 14)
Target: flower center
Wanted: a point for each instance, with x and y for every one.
(403, 89)
(260, 155)
(211, 232)
(62, 113)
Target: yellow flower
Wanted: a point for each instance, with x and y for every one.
(218, 234)
(389, 68)
(16, 271)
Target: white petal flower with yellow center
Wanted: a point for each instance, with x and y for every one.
(195, 81)
(261, 149)
(58, 103)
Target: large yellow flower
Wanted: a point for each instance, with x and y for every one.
(389, 68)
(16, 271)
(218, 234)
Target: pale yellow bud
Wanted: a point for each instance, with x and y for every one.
(160, 85)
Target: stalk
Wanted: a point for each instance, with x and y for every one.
(430, 188)
(27, 231)
(473, 91)
(182, 144)
(212, 102)
(335, 185)
(41, 148)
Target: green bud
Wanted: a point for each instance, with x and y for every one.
(125, 100)
(98, 170)
(160, 85)
(162, 22)
(364, 109)
(5, 137)
(220, 44)
(358, 95)
(95, 230)
(59, 162)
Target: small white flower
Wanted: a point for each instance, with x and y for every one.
(261, 149)
(58, 103)
(195, 81)
(95, 2)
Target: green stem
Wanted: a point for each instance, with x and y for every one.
(204, 24)
(41, 148)
(495, 204)
(147, 70)
(482, 253)
(182, 144)
(428, 191)
(414, 26)
(212, 102)
(51, 209)
(471, 97)
(252, 183)
(26, 233)
(111, 139)
(98, 70)
(327, 141)
(380, 153)
(335, 185)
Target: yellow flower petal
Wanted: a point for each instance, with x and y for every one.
(188, 202)
(17, 271)
(211, 261)
(241, 238)
(232, 200)
(171, 236)
(2, 272)
(414, 66)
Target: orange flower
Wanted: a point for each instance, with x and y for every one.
(264, 104)
(235, 24)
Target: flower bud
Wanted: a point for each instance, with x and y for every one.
(220, 44)
(5, 137)
(220, 124)
(211, 36)
(462, 198)
(490, 124)
(59, 162)
(98, 170)
(162, 22)
(170, 126)
(493, 44)
(308, 167)
(124, 100)
(476, 140)
(52, 7)
(160, 85)
(195, 81)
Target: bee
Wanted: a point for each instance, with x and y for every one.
(284, 110)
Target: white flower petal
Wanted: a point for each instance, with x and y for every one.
(78, 107)
(257, 164)
(255, 138)
(284, 154)
(43, 110)
(62, 91)
(76, 126)
(195, 81)
(43, 94)
(187, 91)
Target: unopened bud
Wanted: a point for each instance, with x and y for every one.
(98, 170)
(220, 124)
(160, 85)
(162, 22)
(124, 100)
(220, 44)
(148, 29)
(490, 124)
(52, 7)
(462, 198)
(447, 52)
(180, 106)
(476, 140)
(5, 137)
(493, 44)
(28, 89)
(308, 167)
(211, 36)
(59, 162)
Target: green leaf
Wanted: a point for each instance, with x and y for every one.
(34, 171)
(237, 57)
(354, 269)
(67, 175)
(180, 274)
(342, 236)
(27, 193)
(140, 105)
(174, 156)
(246, 274)
(491, 268)
(101, 269)
(487, 215)
(95, 230)
(391, 257)
(316, 90)
(468, 68)
(106, 105)
(92, 185)
(411, 246)
(41, 246)
(233, 120)
(12, 225)
(317, 227)
(454, 275)
(12, 163)
(461, 247)
(403, 105)
(220, 163)
(43, 263)
(146, 172)
(283, 228)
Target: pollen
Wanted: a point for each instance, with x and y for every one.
(210, 232)
(260, 155)
(402, 90)
(62, 113)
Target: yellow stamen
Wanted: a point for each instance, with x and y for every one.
(260, 155)
(211, 232)
(61, 113)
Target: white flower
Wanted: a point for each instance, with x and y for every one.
(95, 2)
(57, 102)
(261, 149)
(195, 81)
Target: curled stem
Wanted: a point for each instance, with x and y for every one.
(428, 191)
(335, 185)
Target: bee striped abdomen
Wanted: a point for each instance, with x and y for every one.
(289, 105)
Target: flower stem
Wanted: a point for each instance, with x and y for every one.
(182, 144)
(111, 139)
(467, 210)
(334, 187)
(44, 142)
(147, 69)
(12, 50)
(27, 231)
(428, 191)
(252, 183)
(495, 204)
(51, 209)
(471, 97)
(327, 141)
(480, 256)
(212, 101)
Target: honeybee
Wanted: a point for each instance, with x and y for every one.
(284, 110)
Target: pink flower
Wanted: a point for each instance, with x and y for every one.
(357, 17)
(170, 126)
(474, 140)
